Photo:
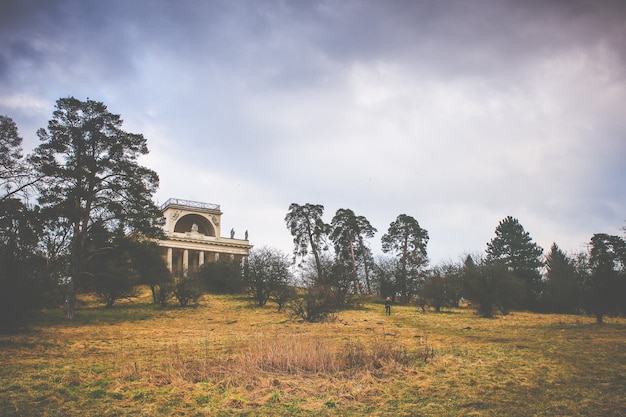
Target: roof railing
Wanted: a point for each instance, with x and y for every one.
(189, 203)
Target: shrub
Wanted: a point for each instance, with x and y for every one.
(187, 290)
(314, 305)
(162, 293)
(223, 276)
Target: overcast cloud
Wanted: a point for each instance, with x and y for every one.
(457, 113)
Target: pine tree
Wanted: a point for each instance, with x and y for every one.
(514, 247)
(91, 178)
(561, 290)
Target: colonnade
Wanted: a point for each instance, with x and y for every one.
(185, 260)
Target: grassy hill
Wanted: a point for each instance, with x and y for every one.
(226, 357)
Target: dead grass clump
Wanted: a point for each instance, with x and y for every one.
(288, 355)
(381, 353)
(291, 355)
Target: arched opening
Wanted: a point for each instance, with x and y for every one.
(186, 224)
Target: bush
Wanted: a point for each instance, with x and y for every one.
(441, 288)
(267, 275)
(315, 305)
(187, 290)
(283, 294)
(23, 278)
(162, 293)
(21, 291)
(223, 276)
(490, 286)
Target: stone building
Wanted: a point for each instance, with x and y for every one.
(193, 236)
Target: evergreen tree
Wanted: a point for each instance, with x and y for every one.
(607, 286)
(224, 276)
(151, 268)
(561, 288)
(407, 240)
(90, 176)
(489, 285)
(349, 233)
(309, 232)
(514, 247)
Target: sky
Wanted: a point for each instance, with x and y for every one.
(458, 113)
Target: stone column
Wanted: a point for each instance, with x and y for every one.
(200, 258)
(185, 261)
(169, 259)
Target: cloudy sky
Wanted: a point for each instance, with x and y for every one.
(457, 113)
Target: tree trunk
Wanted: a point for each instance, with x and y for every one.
(155, 299)
(355, 278)
(367, 276)
(318, 262)
(70, 304)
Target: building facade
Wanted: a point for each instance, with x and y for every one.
(193, 236)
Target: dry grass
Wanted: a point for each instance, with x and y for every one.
(226, 357)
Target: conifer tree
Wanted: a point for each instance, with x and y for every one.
(514, 247)
(91, 178)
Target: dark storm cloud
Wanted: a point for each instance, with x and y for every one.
(66, 39)
(17, 44)
(286, 40)
(470, 38)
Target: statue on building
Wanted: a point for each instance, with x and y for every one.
(194, 228)
(232, 233)
(246, 235)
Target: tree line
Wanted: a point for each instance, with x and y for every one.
(513, 273)
(77, 215)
